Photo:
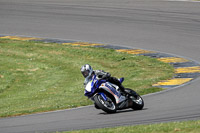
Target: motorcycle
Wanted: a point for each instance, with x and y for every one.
(107, 96)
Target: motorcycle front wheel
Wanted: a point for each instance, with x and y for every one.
(106, 105)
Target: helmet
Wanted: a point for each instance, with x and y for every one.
(86, 70)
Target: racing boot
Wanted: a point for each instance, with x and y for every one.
(122, 89)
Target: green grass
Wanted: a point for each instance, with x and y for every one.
(172, 127)
(38, 77)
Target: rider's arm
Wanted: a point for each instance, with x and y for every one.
(101, 74)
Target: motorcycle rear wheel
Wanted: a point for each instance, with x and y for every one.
(138, 102)
(108, 106)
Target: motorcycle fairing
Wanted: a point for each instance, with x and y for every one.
(95, 84)
(109, 88)
(92, 86)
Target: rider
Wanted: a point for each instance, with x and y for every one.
(88, 73)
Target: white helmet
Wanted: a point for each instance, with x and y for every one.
(86, 70)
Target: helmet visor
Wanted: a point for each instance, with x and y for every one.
(85, 73)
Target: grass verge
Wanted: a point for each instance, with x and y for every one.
(171, 127)
(37, 77)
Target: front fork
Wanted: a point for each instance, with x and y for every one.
(103, 96)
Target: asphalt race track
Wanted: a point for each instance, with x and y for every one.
(168, 26)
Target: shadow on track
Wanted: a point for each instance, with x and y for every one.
(122, 111)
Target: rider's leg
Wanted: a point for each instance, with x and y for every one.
(117, 82)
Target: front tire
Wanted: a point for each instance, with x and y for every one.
(108, 106)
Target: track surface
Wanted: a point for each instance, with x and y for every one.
(171, 27)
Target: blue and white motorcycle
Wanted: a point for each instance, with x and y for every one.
(107, 96)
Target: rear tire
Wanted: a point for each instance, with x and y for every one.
(108, 106)
(138, 102)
